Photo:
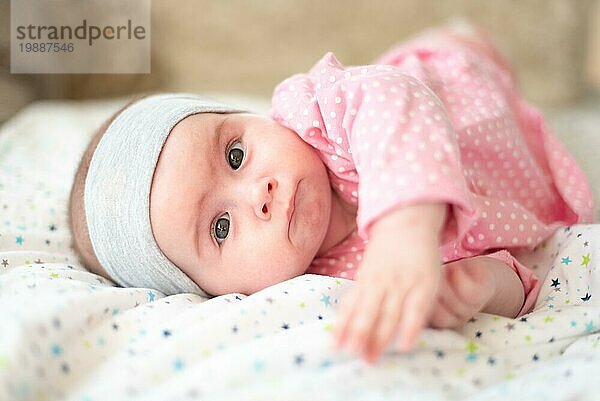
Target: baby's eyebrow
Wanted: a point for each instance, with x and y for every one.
(217, 131)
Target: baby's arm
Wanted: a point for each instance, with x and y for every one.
(477, 284)
(389, 129)
(397, 284)
(399, 280)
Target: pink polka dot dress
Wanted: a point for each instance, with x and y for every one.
(437, 119)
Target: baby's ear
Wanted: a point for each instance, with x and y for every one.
(79, 231)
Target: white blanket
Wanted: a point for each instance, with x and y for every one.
(68, 334)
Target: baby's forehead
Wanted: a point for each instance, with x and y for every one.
(194, 139)
(199, 120)
(208, 124)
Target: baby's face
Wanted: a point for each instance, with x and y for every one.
(238, 202)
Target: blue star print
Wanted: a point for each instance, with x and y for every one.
(325, 300)
(259, 366)
(178, 364)
(566, 260)
(56, 350)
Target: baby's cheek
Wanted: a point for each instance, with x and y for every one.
(319, 205)
(312, 213)
(312, 221)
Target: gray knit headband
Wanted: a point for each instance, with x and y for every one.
(117, 191)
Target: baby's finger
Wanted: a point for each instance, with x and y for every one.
(415, 313)
(363, 322)
(344, 317)
(388, 322)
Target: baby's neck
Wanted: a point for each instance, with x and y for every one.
(342, 222)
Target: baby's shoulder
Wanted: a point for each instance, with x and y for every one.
(329, 73)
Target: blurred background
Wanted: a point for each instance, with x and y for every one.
(247, 47)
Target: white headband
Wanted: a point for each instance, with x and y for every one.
(117, 191)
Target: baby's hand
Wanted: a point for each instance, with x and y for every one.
(397, 284)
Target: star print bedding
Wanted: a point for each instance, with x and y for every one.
(67, 334)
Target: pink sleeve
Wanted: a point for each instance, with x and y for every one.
(403, 145)
(531, 284)
(384, 136)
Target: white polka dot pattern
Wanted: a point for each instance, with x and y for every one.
(442, 124)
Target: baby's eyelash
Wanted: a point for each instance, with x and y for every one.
(213, 224)
(231, 143)
(212, 229)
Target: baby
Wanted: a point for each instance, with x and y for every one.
(419, 176)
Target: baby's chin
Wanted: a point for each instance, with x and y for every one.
(285, 273)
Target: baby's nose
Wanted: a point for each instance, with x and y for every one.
(263, 197)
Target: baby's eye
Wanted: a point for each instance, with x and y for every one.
(220, 228)
(235, 155)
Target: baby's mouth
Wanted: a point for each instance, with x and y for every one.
(292, 208)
